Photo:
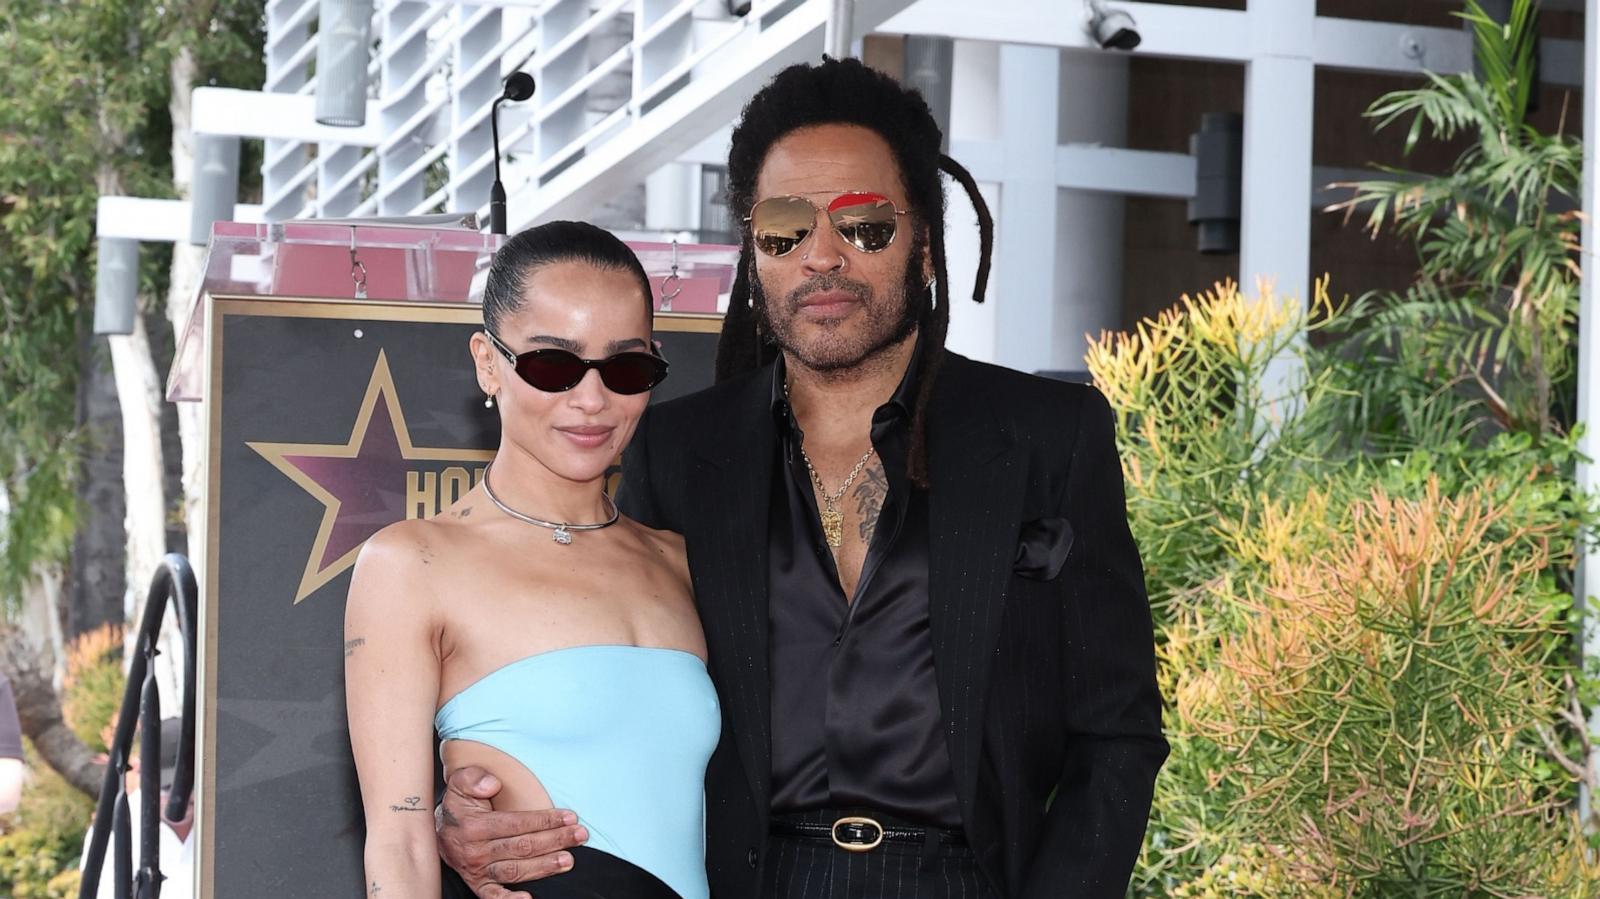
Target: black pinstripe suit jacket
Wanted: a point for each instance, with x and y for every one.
(1047, 685)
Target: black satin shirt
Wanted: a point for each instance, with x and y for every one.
(855, 706)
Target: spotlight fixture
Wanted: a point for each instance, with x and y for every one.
(1112, 29)
(344, 42)
(116, 285)
(1215, 208)
(214, 188)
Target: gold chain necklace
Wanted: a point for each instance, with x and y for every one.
(832, 518)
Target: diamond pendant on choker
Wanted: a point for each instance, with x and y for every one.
(563, 529)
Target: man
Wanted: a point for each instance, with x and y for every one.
(925, 613)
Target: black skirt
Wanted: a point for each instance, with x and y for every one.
(594, 875)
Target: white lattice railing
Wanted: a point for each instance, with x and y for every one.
(437, 67)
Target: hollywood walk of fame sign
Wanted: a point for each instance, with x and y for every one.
(328, 421)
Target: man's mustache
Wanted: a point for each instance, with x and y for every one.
(822, 283)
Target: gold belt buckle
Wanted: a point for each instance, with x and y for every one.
(856, 846)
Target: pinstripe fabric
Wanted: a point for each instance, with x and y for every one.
(816, 869)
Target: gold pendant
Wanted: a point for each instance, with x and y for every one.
(833, 527)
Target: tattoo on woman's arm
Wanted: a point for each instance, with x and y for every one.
(413, 804)
(350, 646)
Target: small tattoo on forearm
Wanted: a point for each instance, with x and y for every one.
(350, 646)
(413, 804)
(375, 889)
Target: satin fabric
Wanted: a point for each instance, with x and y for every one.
(1042, 548)
(855, 699)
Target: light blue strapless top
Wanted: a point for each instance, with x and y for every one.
(619, 734)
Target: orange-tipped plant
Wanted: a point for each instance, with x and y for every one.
(1365, 657)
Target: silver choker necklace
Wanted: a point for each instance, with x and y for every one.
(563, 530)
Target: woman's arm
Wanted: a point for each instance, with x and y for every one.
(391, 672)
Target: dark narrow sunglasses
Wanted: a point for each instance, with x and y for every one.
(554, 371)
(867, 221)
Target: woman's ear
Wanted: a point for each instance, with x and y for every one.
(483, 362)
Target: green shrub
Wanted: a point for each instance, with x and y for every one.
(91, 694)
(1365, 658)
(42, 841)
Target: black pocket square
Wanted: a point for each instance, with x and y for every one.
(1042, 548)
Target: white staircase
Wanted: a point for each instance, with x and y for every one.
(624, 87)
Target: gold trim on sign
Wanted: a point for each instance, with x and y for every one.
(402, 311)
(206, 663)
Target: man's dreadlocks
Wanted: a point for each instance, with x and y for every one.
(846, 92)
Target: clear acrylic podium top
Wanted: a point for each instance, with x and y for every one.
(318, 261)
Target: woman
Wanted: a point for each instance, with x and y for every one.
(549, 640)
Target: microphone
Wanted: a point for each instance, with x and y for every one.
(519, 87)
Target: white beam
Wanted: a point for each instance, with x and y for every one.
(1389, 47)
(1135, 173)
(1089, 247)
(155, 221)
(223, 110)
(1275, 237)
(1025, 232)
(1091, 167)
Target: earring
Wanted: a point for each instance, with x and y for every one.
(488, 401)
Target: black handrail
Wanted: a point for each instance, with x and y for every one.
(173, 581)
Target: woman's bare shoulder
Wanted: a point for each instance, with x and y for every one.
(401, 543)
(394, 564)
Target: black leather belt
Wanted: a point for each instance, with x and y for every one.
(859, 833)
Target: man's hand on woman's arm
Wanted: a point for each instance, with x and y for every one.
(489, 848)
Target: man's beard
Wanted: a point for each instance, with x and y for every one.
(889, 320)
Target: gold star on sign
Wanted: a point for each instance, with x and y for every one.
(360, 483)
